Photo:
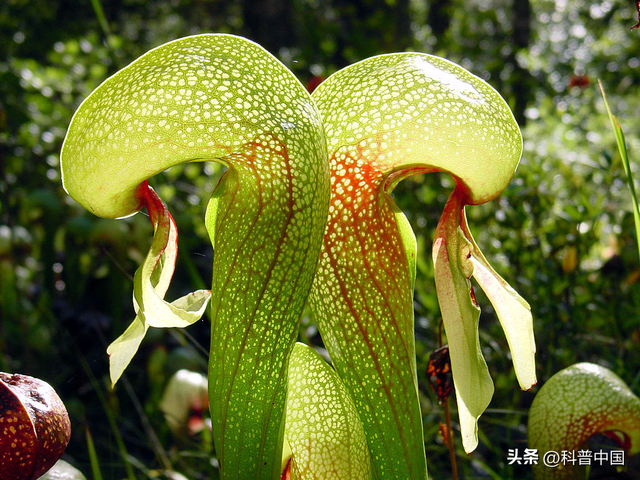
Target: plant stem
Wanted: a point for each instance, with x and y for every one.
(449, 440)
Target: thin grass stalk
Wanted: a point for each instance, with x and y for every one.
(622, 148)
(154, 441)
(122, 449)
(102, 19)
(93, 456)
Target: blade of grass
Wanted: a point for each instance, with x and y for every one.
(109, 39)
(93, 456)
(110, 414)
(122, 449)
(102, 19)
(622, 148)
(152, 437)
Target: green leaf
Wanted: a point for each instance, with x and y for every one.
(461, 314)
(514, 313)
(151, 282)
(457, 258)
(575, 404)
(622, 149)
(386, 118)
(408, 241)
(221, 98)
(323, 429)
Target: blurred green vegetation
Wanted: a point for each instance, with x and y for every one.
(562, 233)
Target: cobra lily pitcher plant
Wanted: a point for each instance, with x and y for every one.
(303, 214)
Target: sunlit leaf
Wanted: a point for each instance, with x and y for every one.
(323, 429)
(222, 98)
(387, 118)
(575, 404)
(151, 282)
(461, 315)
(514, 313)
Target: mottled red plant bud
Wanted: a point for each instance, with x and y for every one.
(34, 427)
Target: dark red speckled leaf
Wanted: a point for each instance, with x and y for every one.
(34, 427)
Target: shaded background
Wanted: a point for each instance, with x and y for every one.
(561, 234)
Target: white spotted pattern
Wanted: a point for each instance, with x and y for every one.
(575, 404)
(386, 118)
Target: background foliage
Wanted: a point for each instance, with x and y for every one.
(562, 233)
